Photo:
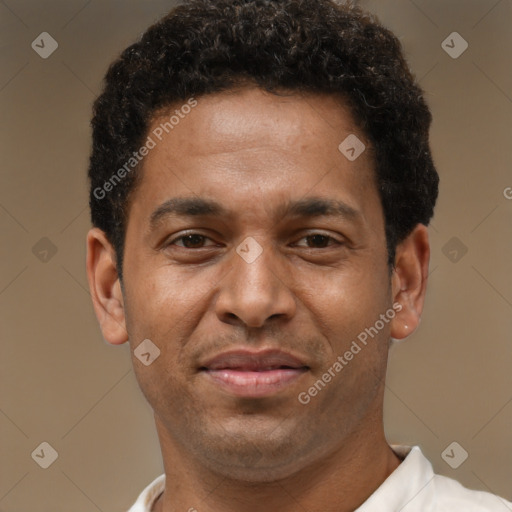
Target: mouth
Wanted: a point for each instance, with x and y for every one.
(253, 374)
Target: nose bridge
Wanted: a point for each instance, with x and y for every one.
(254, 265)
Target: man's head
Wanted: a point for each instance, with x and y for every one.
(255, 240)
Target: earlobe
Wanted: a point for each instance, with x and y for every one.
(409, 281)
(105, 287)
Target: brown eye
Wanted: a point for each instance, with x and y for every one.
(190, 241)
(193, 241)
(318, 241)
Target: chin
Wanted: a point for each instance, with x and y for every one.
(257, 456)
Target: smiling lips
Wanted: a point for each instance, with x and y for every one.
(253, 374)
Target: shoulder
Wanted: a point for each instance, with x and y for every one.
(451, 495)
(428, 491)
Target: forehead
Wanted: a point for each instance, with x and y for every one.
(239, 143)
(250, 118)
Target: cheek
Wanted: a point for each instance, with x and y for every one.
(345, 302)
(349, 318)
(161, 306)
(162, 298)
(165, 306)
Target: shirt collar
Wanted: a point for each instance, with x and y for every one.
(148, 496)
(408, 489)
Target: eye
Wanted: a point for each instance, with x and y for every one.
(189, 241)
(319, 241)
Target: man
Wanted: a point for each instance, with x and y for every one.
(261, 186)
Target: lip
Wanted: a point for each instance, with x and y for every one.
(251, 374)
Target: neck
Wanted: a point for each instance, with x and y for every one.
(340, 482)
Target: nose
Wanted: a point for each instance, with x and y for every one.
(254, 292)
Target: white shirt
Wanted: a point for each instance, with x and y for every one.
(412, 487)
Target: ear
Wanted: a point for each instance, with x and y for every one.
(105, 287)
(409, 281)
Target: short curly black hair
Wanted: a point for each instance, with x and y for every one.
(206, 46)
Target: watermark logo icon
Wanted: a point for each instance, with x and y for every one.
(44, 250)
(352, 147)
(146, 352)
(454, 249)
(45, 455)
(249, 249)
(44, 45)
(454, 45)
(454, 455)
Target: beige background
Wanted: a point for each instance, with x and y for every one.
(62, 384)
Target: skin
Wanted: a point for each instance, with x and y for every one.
(254, 152)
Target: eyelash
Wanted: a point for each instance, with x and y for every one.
(181, 237)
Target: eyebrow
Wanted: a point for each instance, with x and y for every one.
(186, 207)
(320, 207)
(307, 207)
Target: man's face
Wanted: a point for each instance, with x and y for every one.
(276, 322)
